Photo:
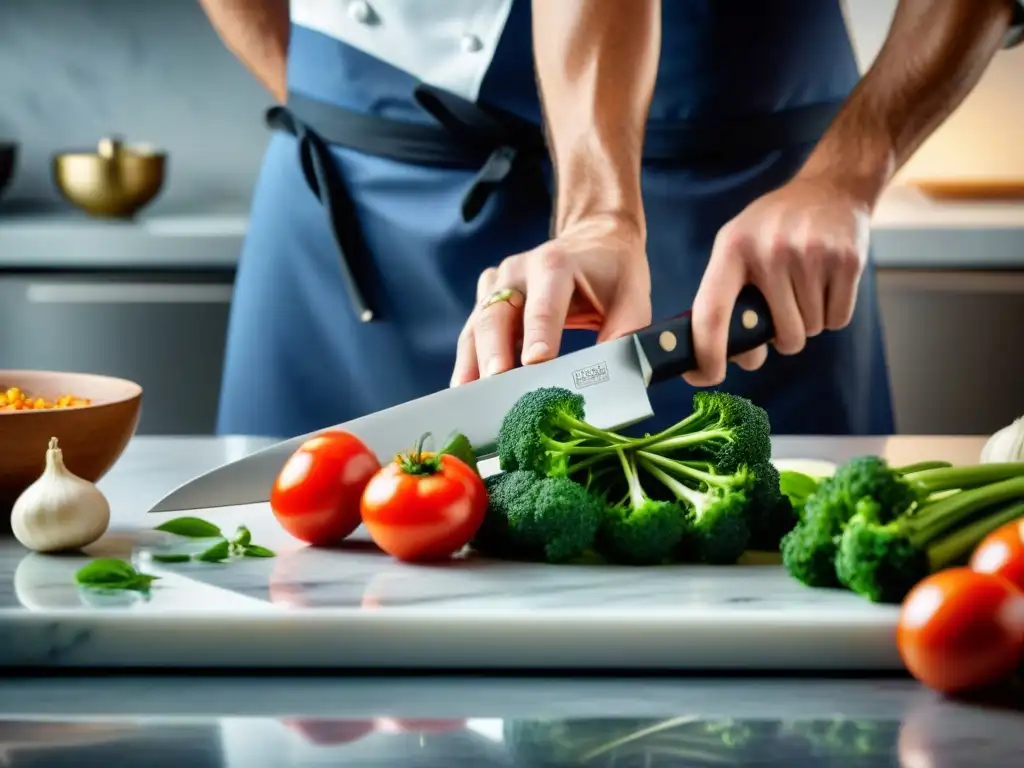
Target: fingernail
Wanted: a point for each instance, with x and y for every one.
(537, 351)
(493, 367)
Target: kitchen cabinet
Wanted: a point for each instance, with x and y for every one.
(954, 343)
(165, 331)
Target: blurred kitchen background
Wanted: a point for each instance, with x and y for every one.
(148, 299)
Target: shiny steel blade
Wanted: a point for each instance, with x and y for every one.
(612, 376)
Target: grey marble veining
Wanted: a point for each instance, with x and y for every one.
(290, 611)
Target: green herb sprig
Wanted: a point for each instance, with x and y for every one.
(110, 573)
(223, 550)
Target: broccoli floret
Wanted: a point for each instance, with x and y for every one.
(864, 485)
(531, 517)
(545, 429)
(506, 491)
(867, 487)
(724, 430)
(640, 530)
(882, 561)
(720, 532)
(809, 550)
(769, 525)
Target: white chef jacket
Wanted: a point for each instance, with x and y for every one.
(445, 43)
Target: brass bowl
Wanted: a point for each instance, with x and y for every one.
(115, 181)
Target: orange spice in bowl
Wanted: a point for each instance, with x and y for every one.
(14, 399)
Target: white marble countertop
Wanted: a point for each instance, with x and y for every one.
(910, 231)
(290, 610)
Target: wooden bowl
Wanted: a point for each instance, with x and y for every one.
(91, 437)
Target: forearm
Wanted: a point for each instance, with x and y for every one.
(596, 64)
(935, 53)
(257, 32)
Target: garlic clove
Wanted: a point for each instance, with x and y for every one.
(1007, 444)
(59, 511)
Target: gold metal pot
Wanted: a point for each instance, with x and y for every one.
(115, 181)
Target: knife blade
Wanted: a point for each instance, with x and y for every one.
(613, 377)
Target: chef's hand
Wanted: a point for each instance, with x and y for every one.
(593, 276)
(804, 245)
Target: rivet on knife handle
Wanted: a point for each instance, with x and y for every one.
(668, 345)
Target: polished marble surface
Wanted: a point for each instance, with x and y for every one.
(290, 611)
(471, 721)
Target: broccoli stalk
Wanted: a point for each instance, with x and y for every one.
(725, 430)
(546, 429)
(640, 530)
(882, 561)
(719, 514)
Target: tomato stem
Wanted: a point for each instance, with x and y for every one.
(416, 463)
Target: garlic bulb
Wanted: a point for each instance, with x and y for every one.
(1005, 445)
(59, 511)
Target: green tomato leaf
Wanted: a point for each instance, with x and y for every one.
(458, 445)
(215, 554)
(190, 527)
(104, 571)
(172, 558)
(243, 536)
(254, 550)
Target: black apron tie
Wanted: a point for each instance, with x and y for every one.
(511, 144)
(326, 182)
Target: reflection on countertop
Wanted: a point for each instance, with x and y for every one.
(236, 723)
(910, 230)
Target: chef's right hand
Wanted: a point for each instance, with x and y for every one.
(594, 276)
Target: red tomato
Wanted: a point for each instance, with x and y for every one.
(329, 732)
(423, 507)
(1002, 553)
(960, 630)
(316, 495)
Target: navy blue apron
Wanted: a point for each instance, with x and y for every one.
(380, 201)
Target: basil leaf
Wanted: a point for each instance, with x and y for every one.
(105, 570)
(172, 558)
(111, 574)
(243, 536)
(254, 550)
(215, 554)
(458, 445)
(190, 527)
(142, 583)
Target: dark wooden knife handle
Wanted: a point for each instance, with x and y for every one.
(668, 345)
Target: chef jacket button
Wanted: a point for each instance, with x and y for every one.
(360, 11)
(471, 43)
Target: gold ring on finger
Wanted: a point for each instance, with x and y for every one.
(504, 295)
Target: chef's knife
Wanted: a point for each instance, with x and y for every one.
(612, 376)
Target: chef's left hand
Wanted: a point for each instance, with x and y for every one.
(804, 245)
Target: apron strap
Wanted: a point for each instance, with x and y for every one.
(327, 184)
(512, 145)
